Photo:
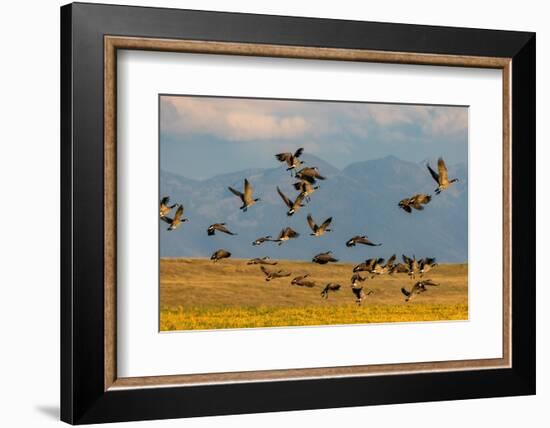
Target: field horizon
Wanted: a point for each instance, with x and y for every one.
(198, 294)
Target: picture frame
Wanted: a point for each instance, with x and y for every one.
(91, 391)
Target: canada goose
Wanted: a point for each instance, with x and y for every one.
(399, 268)
(356, 279)
(441, 177)
(291, 159)
(286, 234)
(246, 197)
(324, 258)
(318, 230)
(293, 207)
(412, 264)
(220, 227)
(380, 269)
(363, 239)
(305, 188)
(419, 287)
(177, 220)
(261, 261)
(415, 202)
(309, 174)
(358, 293)
(220, 254)
(302, 282)
(366, 266)
(273, 274)
(261, 240)
(164, 207)
(426, 265)
(331, 286)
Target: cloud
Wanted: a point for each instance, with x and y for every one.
(237, 119)
(231, 119)
(431, 120)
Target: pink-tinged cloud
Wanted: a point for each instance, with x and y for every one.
(232, 119)
(435, 121)
(251, 119)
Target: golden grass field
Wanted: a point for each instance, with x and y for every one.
(197, 294)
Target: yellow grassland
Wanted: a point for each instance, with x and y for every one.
(197, 294)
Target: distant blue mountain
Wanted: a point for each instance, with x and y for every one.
(362, 199)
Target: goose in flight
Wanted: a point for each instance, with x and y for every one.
(164, 207)
(426, 265)
(324, 258)
(291, 159)
(219, 255)
(419, 287)
(417, 201)
(309, 174)
(366, 266)
(261, 261)
(269, 275)
(220, 227)
(305, 188)
(246, 197)
(399, 268)
(441, 177)
(261, 240)
(318, 230)
(359, 294)
(303, 282)
(330, 287)
(177, 220)
(293, 207)
(412, 264)
(380, 269)
(356, 279)
(363, 239)
(286, 234)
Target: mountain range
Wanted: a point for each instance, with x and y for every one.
(361, 198)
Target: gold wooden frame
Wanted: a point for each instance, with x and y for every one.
(113, 43)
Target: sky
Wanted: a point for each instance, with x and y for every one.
(205, 136)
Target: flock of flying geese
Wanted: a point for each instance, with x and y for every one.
(306, 184)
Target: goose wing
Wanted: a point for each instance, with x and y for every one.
(298, 201)
(235, 192)
(311, 223)
(283, 157)
(167, 219)
(365, 241)
(179, 213)
(442, 168)
(222, 254)
(248, 190)
(298, 152)
(423, 198)
(434, 174)
(300, 185)
(430, 282)
(221, 227)
(284, 198)
(165, 201)
(326, 223)
(291, 233)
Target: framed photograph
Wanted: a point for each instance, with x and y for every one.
(266, 213)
